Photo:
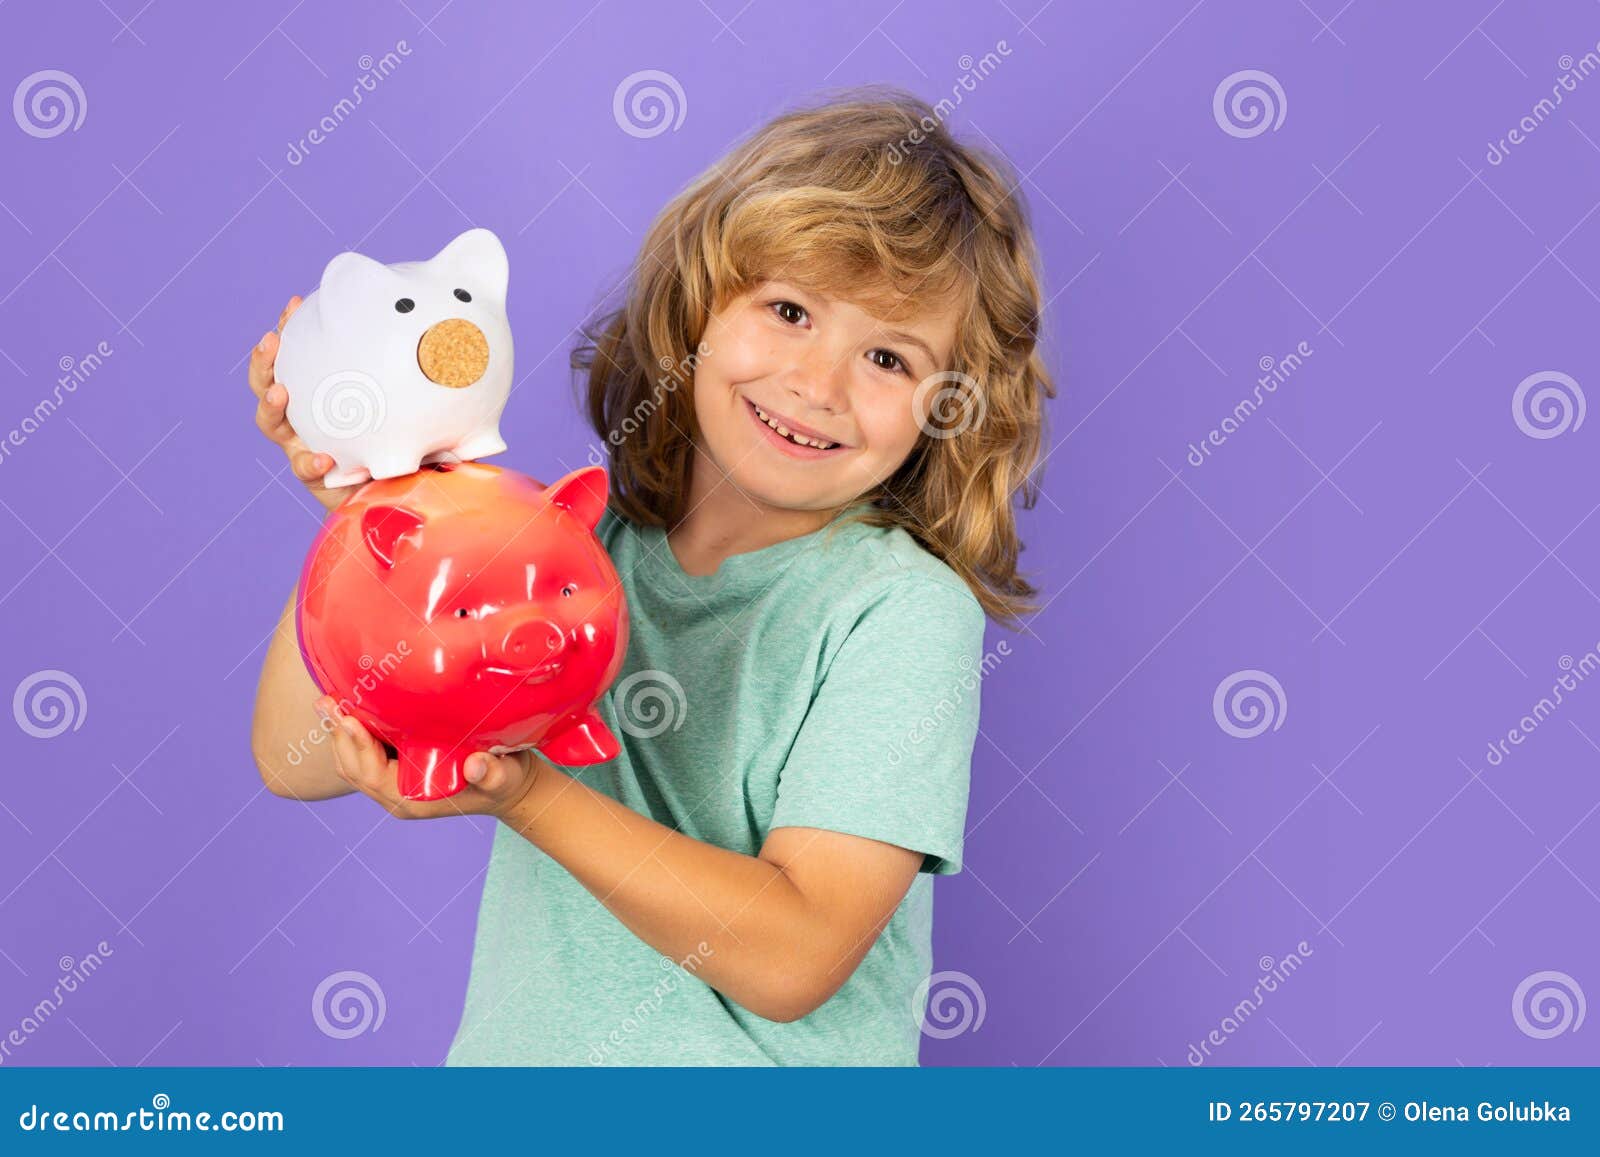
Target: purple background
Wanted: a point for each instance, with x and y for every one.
(1381, 535)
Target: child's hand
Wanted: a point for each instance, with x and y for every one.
(496, 782)
(272, 404)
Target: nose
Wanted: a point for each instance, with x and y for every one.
(453, 353)
(819, 380)
(532, 642)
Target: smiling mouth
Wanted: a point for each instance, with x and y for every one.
(802, 441)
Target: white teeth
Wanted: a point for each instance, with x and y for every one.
(787, 433)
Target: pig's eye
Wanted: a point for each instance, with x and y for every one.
(569, 590)
(461, 612)
(404, 305)
(463, 295)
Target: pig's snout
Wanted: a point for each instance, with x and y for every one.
(533, 645)
(453, 353)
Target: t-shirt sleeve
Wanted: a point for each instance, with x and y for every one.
(885, 749)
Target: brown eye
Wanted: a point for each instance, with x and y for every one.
(783, 309)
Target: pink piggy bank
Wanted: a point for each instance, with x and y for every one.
(467, 608)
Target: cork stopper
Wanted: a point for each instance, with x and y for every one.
(453, 353)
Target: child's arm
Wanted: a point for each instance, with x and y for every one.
(784, 929)
(788, 926)
(292, 749)
(778, 932)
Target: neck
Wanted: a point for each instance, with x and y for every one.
(721, 520)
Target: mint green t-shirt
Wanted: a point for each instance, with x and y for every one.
(819, 682)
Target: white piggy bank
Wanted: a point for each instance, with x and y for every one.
(390, 367)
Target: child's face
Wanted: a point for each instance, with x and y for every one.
(825, 366)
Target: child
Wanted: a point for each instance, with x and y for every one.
(749, 881)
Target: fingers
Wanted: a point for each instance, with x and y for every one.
(492, 774)
(496, 784)
(345, 756)
(272, 420)
(261, 362)
(265, 354)
(272, 405)
(272, 412)
(369, 758)
(360, 759)
(309, 467)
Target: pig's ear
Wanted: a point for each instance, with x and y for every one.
(476, 260)
(385, 529)
(583, 492)
(354, 286)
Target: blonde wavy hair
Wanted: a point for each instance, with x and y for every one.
(867, 197)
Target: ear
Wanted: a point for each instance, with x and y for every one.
(583, 492)
(384, 529)
(355, 286)
(478, 261)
